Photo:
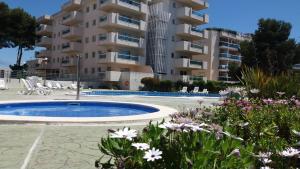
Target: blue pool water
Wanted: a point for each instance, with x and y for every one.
(74, 109)
(146, 93)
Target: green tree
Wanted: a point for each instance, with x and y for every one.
(271, 49)
(4, 21)
(22, 26)
(235, 71)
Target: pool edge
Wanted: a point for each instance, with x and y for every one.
(164, 112)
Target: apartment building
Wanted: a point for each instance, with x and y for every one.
(122, 41)
(223, 50)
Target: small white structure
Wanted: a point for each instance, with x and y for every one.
(5, 72)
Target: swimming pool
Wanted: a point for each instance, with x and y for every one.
(80, 111)
(147, 93)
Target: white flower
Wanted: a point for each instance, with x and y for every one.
(168, 125)
(265, 160)
(280, 93)
(152, 155)
(290, 152)
(141, 146)
(223, 92)
(125, 133)
(264, 154)
(265, 167)
(196, 127)
(254, 91)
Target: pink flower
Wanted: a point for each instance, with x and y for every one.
(297, 103)
(268, 101)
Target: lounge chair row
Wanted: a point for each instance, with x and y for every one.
(196, 90)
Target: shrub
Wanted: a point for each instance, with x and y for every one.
(165, 86)
(239, 133)
(269, 85)
(150, 84)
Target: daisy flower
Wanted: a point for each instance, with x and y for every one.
(152, 155)
(290, 152)
(125, 133)
(141, 146)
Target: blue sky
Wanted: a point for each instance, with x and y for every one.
(239, 15)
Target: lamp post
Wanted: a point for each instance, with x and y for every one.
(45, 60)
(78, 77)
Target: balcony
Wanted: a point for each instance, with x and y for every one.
(193, 48)
(72, 33)
(118, 39)
(44, 42)
(120, 58)
(72, 18)
(110, 76)
(129, 6)
(43, 54)
(115, 20)
(227, 79)
(195, 4)
(230, 57)
(45, 30)
(71, 47)
(69, 62)
(223, 68)
(191, 16)
(188, 31)
(186, 63)
(72, 5)
(46, 19)
(231, 46)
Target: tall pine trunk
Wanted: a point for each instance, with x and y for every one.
(19, 55)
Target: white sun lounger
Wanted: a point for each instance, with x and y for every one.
(3, 85)
(184, 89)
(196, 90)
(204, 91)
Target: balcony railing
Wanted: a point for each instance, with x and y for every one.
(129, 20)
(197, 46)
(195, 29)
(223, 66)
(65, 46)
(196, 78)
(128, 38)
(66, 31)
(232, 45)
(197, 13)
(128, 57)
(195, 62)
(130, 2)
(230, 56)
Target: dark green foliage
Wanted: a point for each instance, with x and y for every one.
(270, 84)
(235, 71)
(271, 49)
(165, 86)
(150, 84)
(17, 30)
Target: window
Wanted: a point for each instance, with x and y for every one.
(173, 38)
(86, 71)
(93, 70)
(93, 54)
(86, 55)
(53, 60)
(94, 38)
(58, 34)
(174, 4)
(94, 22)
(54, 35)
(99, 69)
(53, 48)
(173, 21)
(87, 24)
(57, 60)
(108, 69)
(87, 9)
(87, 40)
(95, 6)
(172, 55)
(172, 71)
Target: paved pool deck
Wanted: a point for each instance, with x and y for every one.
(40, 146)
